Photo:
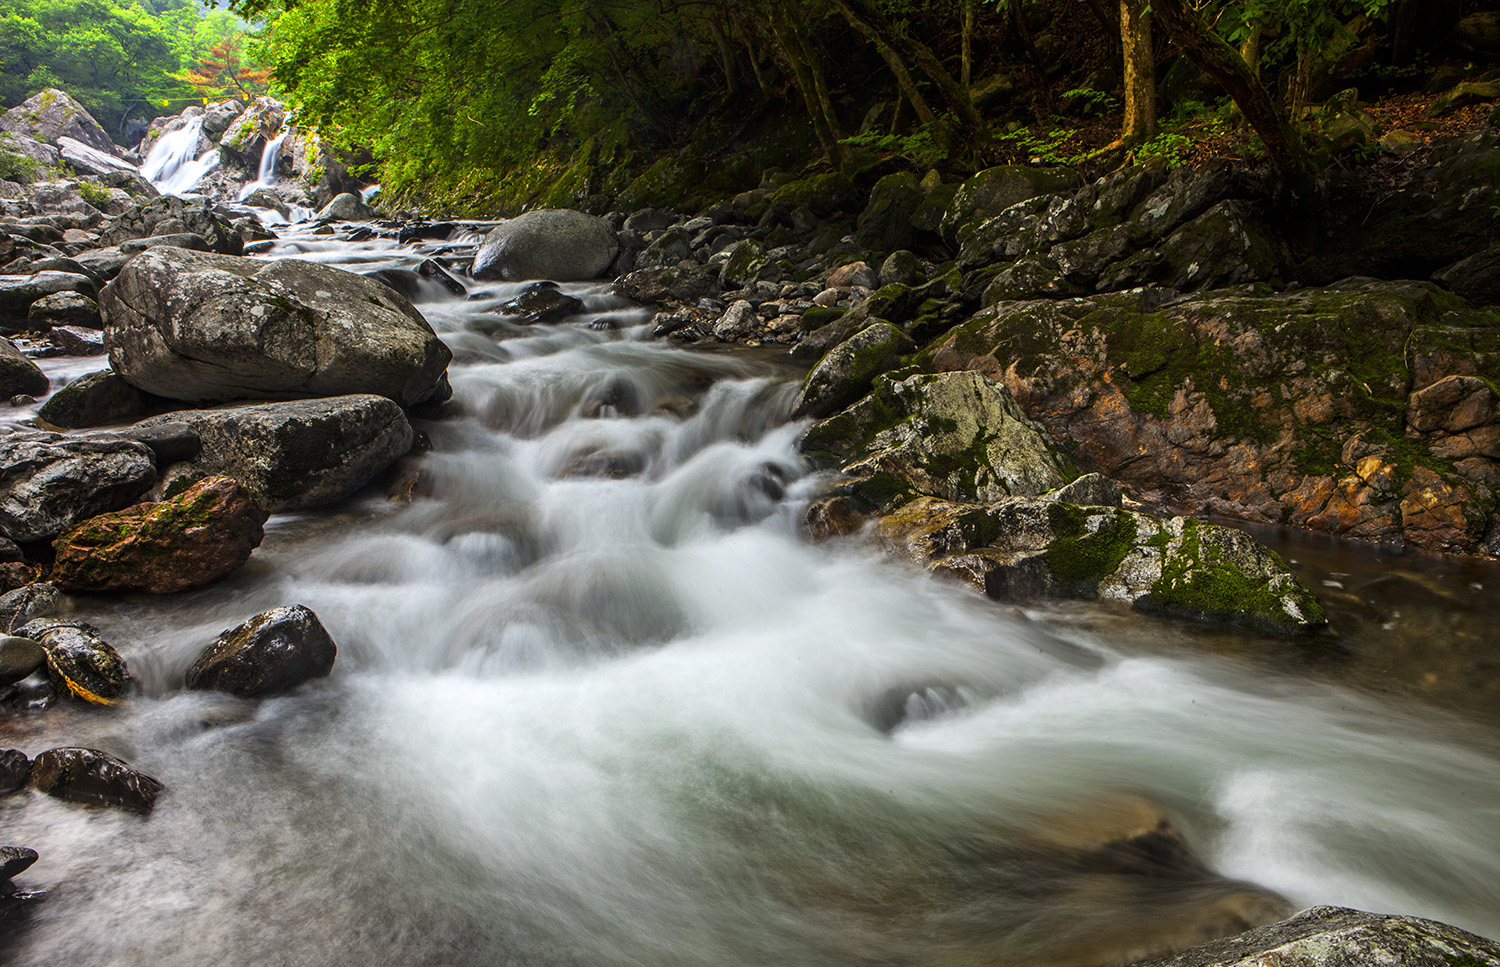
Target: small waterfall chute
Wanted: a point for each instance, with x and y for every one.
(173, 164)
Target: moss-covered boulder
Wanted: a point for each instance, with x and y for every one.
(1020, 548)
(1322, 408)
(991, 191)
(886, 223)
(190, 541)
(821, 194)
(846, 372)
(958, 436)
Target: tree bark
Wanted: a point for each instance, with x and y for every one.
(896, 64)
(966, 69)
(1216, 58)
(1140, 73)
(808, 76)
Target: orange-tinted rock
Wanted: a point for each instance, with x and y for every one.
(192, 540)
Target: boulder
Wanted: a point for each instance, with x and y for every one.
(22, 605)
(273, 652)
(541, 303)
(739, 321)
(958, 436)
(94, 778)
(1318, 407)
(18, 292)
(302, 454)
(52, 482)
(73, 341)
(15, 774)
(346, 208)
(52, 114)
(991, 191)
(37, 157)
(886, 223)
(19, 375)
(1476, 278)
(87, 160)
(95, 399)
(1340, 937)
(70, 308)
(79, 662)
(197, 326)
(685, 283)
(190, 541)
(847, 371)
(19, 657)
(172, 215)
(1021, 548)
(550, 243)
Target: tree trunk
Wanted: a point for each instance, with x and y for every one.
(966, 70)
(1216, 58)
(1140, 73)
(808, 77)
(898, 67)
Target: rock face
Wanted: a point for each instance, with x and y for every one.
(271, 653)
(196, 326)
(1362, 409)
(551, 243)
(94, 778)
(170, 214)
(959, 436)
(192, 540)
(94, 399)
(79, 662)
(298, 455)
(19, 374)
(52, 114)
(1339, 937)
(846, 372)
(50, 482)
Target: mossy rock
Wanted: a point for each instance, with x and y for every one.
(821, 194)
(846, 372)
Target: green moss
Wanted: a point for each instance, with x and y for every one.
(816, 317)
(1079, 558)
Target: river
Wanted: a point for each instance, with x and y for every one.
(631, 717)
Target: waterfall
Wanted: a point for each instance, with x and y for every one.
(172, 165)
(265, 177)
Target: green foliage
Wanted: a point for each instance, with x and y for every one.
(917, 146)
(1173, 148)
(94, 193)
(1087, 102)
(18, 167)
(1052, 147)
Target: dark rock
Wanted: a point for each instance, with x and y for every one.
(72, 341)
(673, 246)
(19, 657)
(15, 773)
(64, 309)
(847, 371)
(684, 283)
(886, 223)
(993, 190)
(1477, 34)
(558, 244)
(18, 292)
(18, 374)
(1339, 937)
(51, 482)
(94, 399)
(79, 662)
(540, 304)
(94, 778)
(189, 541)
(196, 326)
(20, 606)
(1476, 278)
(433, 271)
(298, 455)
(171, 442)
(901, 268)
(15, 860)
(271, 653)
(194, 217)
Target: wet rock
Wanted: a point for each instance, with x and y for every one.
(271, 653)
(18, 574)
(71, 308)
(95, 399)
(79, 662)
(189, 541)
(434, 271)
(94, 778)
(20, 606)
(152, 218)
(1340, 937)
(15, 771)
(15, 860)
(302, 454)
(18, 292)
(557, 244)
(196, 326)
(1216, 402)
(346, 208)
(685, 283)
(73, 341)
(847, 371)
(539, 304)
(831, 517)
(959, 436)
(739, 321)
(52, 114)
(52, 482)
(18, 374)
(19, 657)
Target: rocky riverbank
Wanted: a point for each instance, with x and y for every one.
(1019, 380)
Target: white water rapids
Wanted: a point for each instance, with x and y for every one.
(174, 164)
(640, 721)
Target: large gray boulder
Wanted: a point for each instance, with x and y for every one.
(50, 482)
(1339, 937)
(301, 454)
(198, 326)
(18, 374)
(51, 115)
(88, 160)
(184, 215)
(347, 207)
(551, 243)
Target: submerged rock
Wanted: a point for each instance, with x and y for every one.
(1340, 937)
(15, 860)
(298, 455)
(79, 662)
(271, 653)
(550, 243)
(196, 326)
(190, 541)
(94, 778)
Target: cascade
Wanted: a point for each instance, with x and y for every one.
(172, 165)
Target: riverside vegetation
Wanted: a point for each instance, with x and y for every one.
(1040, 380)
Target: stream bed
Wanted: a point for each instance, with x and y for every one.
(598, 702)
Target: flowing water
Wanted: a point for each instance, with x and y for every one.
(174, 164)
(596, 702)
